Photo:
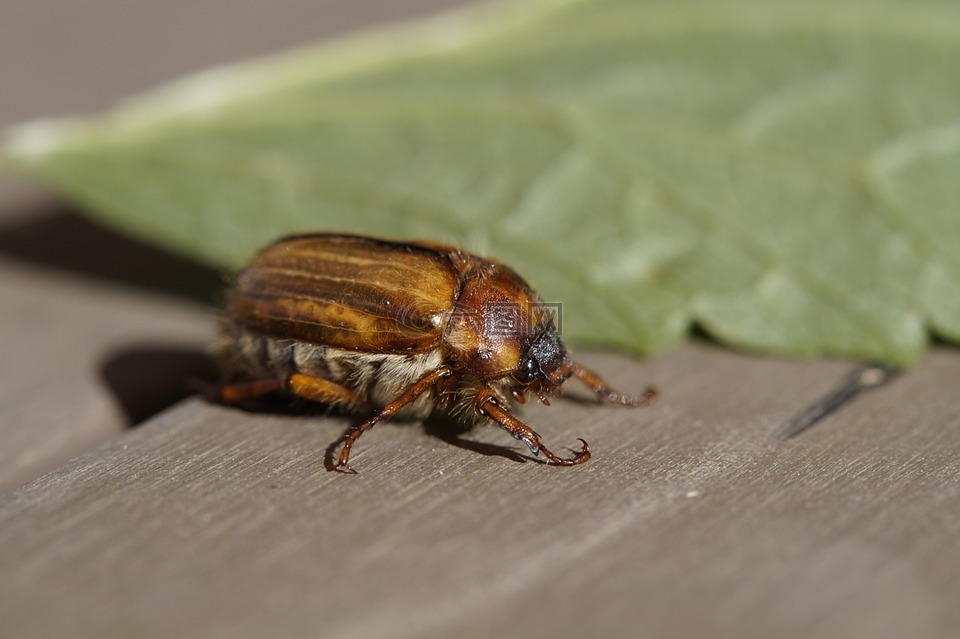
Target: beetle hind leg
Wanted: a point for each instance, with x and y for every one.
(488, 405)
(315, 389)
(604, 393)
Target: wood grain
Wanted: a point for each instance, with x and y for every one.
(691, 519)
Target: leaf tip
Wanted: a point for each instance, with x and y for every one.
(23, 143)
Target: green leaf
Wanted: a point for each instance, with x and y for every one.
(784, 174)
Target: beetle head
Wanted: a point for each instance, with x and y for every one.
(545, 362)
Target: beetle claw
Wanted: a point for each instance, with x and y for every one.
(578, 457)
(346, 469)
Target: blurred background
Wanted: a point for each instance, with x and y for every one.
(65, 58)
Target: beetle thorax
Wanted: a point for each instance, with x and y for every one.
(489, 330)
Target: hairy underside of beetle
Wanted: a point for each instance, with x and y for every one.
(376, 379)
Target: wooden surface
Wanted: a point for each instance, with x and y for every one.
(693, 518)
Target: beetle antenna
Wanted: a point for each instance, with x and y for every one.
(605, 393)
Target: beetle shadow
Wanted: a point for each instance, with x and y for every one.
(147, 379)
(445, 429)
(451, 432)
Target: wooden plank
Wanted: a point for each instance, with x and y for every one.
(83, 361)
(693, 518)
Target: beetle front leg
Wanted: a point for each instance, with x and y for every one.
(488, 405)
(605, 393)
(410, 395)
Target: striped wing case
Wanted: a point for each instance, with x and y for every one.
(354, 293)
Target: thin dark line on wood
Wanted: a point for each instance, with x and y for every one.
(861, 379)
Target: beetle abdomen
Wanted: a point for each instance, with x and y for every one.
(348, 292)
(376, 379)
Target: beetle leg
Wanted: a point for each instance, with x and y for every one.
(315, 389)
(239, 391)
(488, 405)
(388, 411)
(605, 393)
(318, 389)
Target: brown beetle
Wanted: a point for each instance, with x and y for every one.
(402, 327)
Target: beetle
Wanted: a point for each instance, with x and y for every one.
(360, 323)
